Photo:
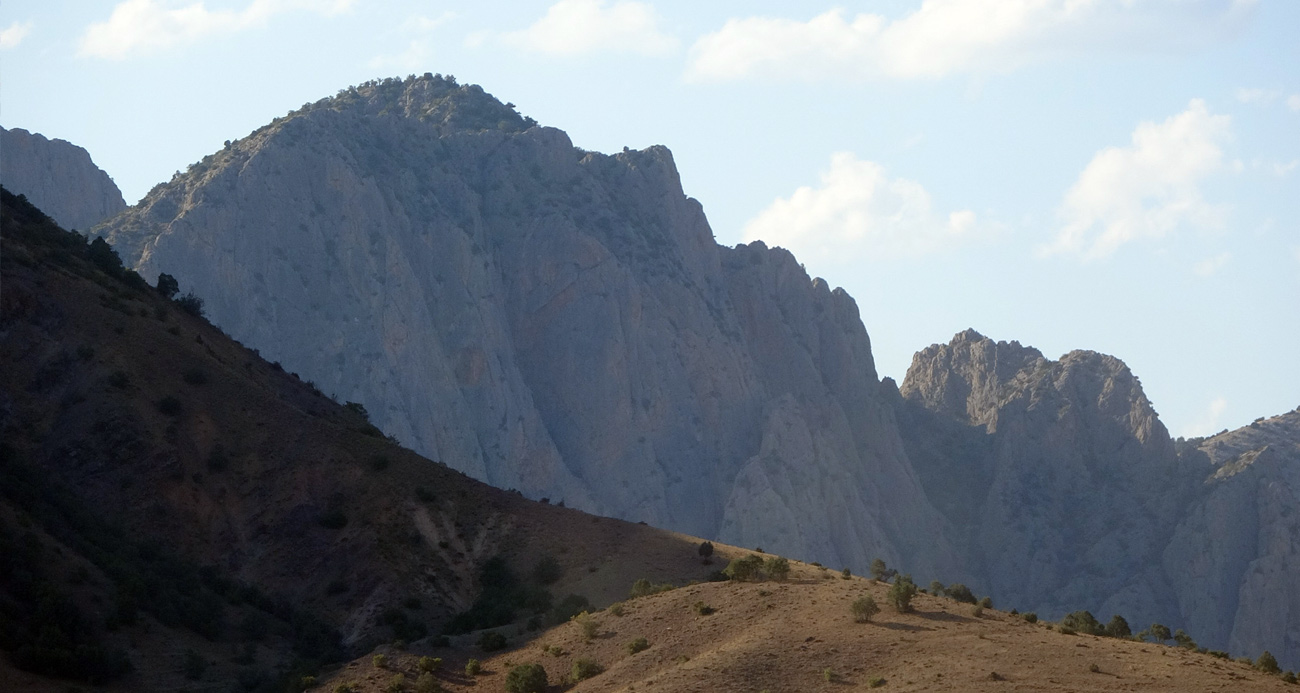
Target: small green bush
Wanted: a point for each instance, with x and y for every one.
(703, 609)
(492, 641)
(526, 678)
(644, 588)
(987, 602)
(1267, 663)
(1083, 622)
(1065, 630)
(828, 675)
(977, 611)
(706, 549)
(960, 593)
(380, 661)
(1030, 617)
(616, 608)
(638, 645)
(1118, 627)
(397, 684)
(1159, 632)
(429, 664)
(1289, 677)
(879, 571)
(901, 593)
(846, 574)
(749, 568)
(473, 667)
(864, 608)
(875, 682)
(584, 668)
(1184, 640)
(586, 625)
(777, 568)
(427, 683)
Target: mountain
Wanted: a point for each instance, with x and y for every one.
(176, 512)
(186, 516)
(562, 322)
(547, 319)
(1065, 491)
(57, 177)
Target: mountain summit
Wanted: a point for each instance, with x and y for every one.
(545, 318)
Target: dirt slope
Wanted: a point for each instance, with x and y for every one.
(786, 636)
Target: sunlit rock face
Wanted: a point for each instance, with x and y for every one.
(59, 178)
(547, 319)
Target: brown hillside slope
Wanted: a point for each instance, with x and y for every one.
(800, 636)
(184, 495)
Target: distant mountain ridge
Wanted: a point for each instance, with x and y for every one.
(57, 177)
(1064, 489)
(562, 322)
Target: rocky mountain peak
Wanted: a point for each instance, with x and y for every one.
(59, 177)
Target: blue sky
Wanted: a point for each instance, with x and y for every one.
(1115, 175)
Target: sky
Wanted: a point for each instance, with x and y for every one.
(1121, 176)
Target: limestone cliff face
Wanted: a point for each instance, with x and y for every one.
(545, 318)
(1235, 554)
(1067, 493)
(59, 178)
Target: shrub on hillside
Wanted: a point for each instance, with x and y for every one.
(879, 571)
(986, 602)
(1184, 640)
(864, 608)
(190, 304)
(960, 593)
(749, 568)
(547, 571)
(1030, 617)
(706, 549)
(1118, 627)
(1083, 622)
(473, 667)
(901, 593)
(584, 668)
(846, 574)
(703, 609)
(586, 625)
(777, 568)
(427, 683)
(526, 678)
(1159, 632)
(491, 641)
(638, 645)
(1267, 663)
(643, 588)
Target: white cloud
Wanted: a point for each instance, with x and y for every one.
(1210, 266)
(14, 35)
(1293, 102)
(1264, 96)
(949, 36)
(1148, 189)
(1280, 170)
(1208, 422)
(145, 26)
(574, 27)
(859, 213)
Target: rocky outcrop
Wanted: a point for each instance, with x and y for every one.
(1064, 491)
(57, 177)
(1234, 557)
(545, 318)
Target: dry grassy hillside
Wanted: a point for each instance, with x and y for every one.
(800, 635)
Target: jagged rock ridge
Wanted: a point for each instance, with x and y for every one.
(58, 177)
(1065, 491)
(545, 318)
